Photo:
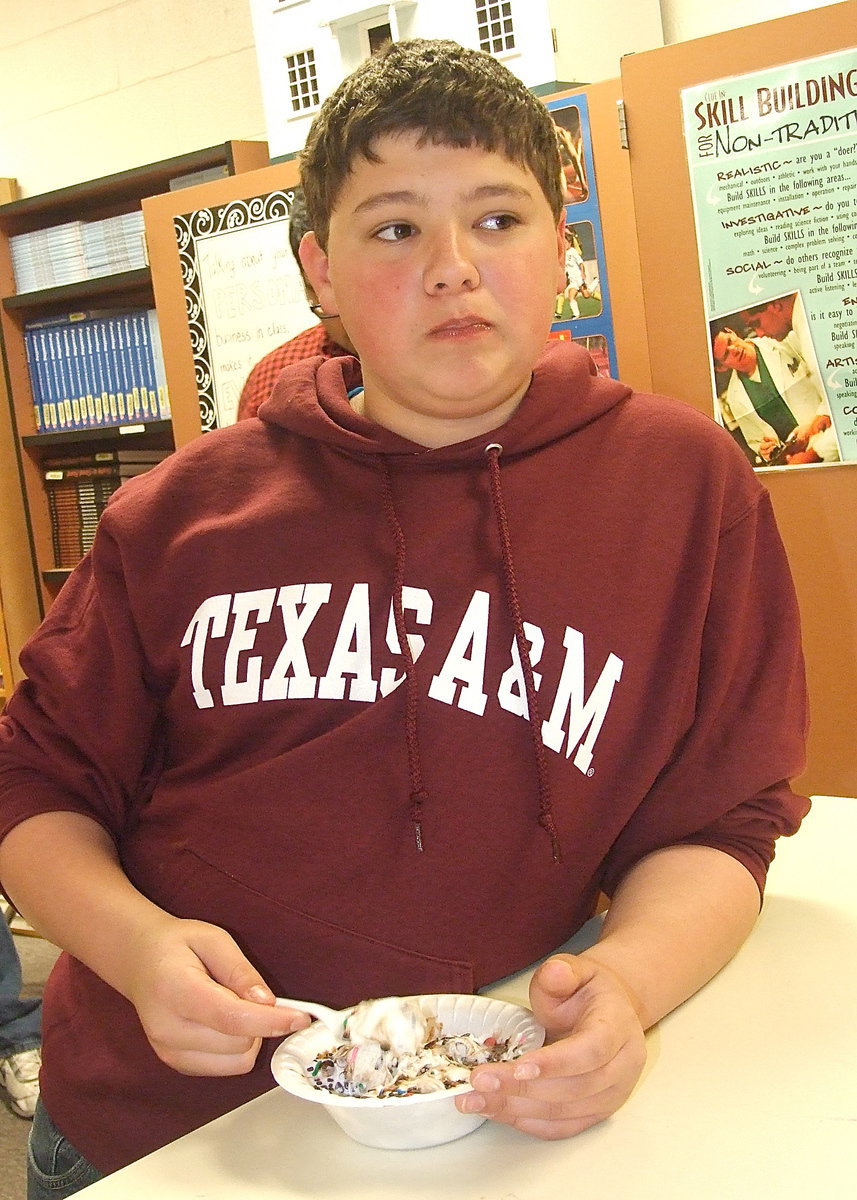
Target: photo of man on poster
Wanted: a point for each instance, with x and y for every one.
(768, 387)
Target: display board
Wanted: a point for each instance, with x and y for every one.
(227, 288)
(583, 313)
(244, 293)
(773, 169)
(608, 212)
(815, 507)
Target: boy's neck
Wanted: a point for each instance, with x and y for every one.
(429, 431)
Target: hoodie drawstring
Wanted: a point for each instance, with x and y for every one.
(418, 793)
(492, 453)
(412, 740)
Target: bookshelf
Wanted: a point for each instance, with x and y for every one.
(25, 448)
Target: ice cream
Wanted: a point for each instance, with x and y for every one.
(392, 1048)
(396, 1023)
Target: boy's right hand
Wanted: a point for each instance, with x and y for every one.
(203, 1007)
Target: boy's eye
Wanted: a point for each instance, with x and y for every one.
(396, 231)
(499, 221)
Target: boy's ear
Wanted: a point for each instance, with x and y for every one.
(562, 282)
(316, 268)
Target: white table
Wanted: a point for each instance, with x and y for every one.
(750, 1090)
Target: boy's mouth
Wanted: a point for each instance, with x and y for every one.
(460, 327)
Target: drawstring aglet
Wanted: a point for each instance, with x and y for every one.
(418, 798)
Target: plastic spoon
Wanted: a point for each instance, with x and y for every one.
(335, 1021)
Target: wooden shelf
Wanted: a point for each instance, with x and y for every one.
(149, 435)
(122, 283)
(124, 190)
(55, 577)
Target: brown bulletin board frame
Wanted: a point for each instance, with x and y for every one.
(169, 284)
(816, 508)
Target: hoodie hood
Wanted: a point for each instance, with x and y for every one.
(565, 394)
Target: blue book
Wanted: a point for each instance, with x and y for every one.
(124, 397)
(71, 341)
(93, 406)
(49, 407)
(55, 351)
(100, 392)
(132, 341)
(143, 372)
(34, 367)
(112, 370)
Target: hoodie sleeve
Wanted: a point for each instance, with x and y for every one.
(747, 737)
(78, 733)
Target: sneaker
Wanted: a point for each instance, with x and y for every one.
(19, 1074)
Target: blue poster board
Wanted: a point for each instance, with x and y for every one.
(584, 313)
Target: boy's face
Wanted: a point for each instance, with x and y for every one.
(444, 264)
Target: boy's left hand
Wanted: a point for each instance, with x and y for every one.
(595, 1055)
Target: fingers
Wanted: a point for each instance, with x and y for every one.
(203, 1029)
(204, 1008)
(555, 1106)
(559, 993)
(225, 963)
(586, 1072)
(549, 1120)
(228, 994)
(217, 1058)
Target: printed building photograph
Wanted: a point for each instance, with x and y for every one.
(306, 47)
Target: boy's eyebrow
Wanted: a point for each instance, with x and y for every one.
(486, 191)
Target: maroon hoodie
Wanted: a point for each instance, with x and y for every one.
(221, 685)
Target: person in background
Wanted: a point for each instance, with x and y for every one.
(379, 693)
(774, 400)
(328, 338)
(782, 319)
(575, 275)
(20, 1032)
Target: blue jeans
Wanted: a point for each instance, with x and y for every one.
(20, 1020)
(55, 1170)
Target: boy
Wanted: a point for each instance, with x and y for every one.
(393, 682)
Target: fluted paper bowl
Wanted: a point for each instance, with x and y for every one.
(407, 1122)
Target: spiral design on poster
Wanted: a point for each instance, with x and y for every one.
(191, 230)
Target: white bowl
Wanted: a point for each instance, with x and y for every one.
(407, 1122)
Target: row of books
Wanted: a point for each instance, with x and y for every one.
(93, 369)
(78, 250)
(78, 489)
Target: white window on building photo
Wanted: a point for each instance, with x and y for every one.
(303, 82)
(494, 21)
(378, 37)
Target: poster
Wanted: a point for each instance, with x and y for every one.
(243, 291)
(583, 311)
(773, 167)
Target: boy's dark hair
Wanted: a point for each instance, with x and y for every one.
(452, 95)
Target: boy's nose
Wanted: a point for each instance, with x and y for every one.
(450, 267)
